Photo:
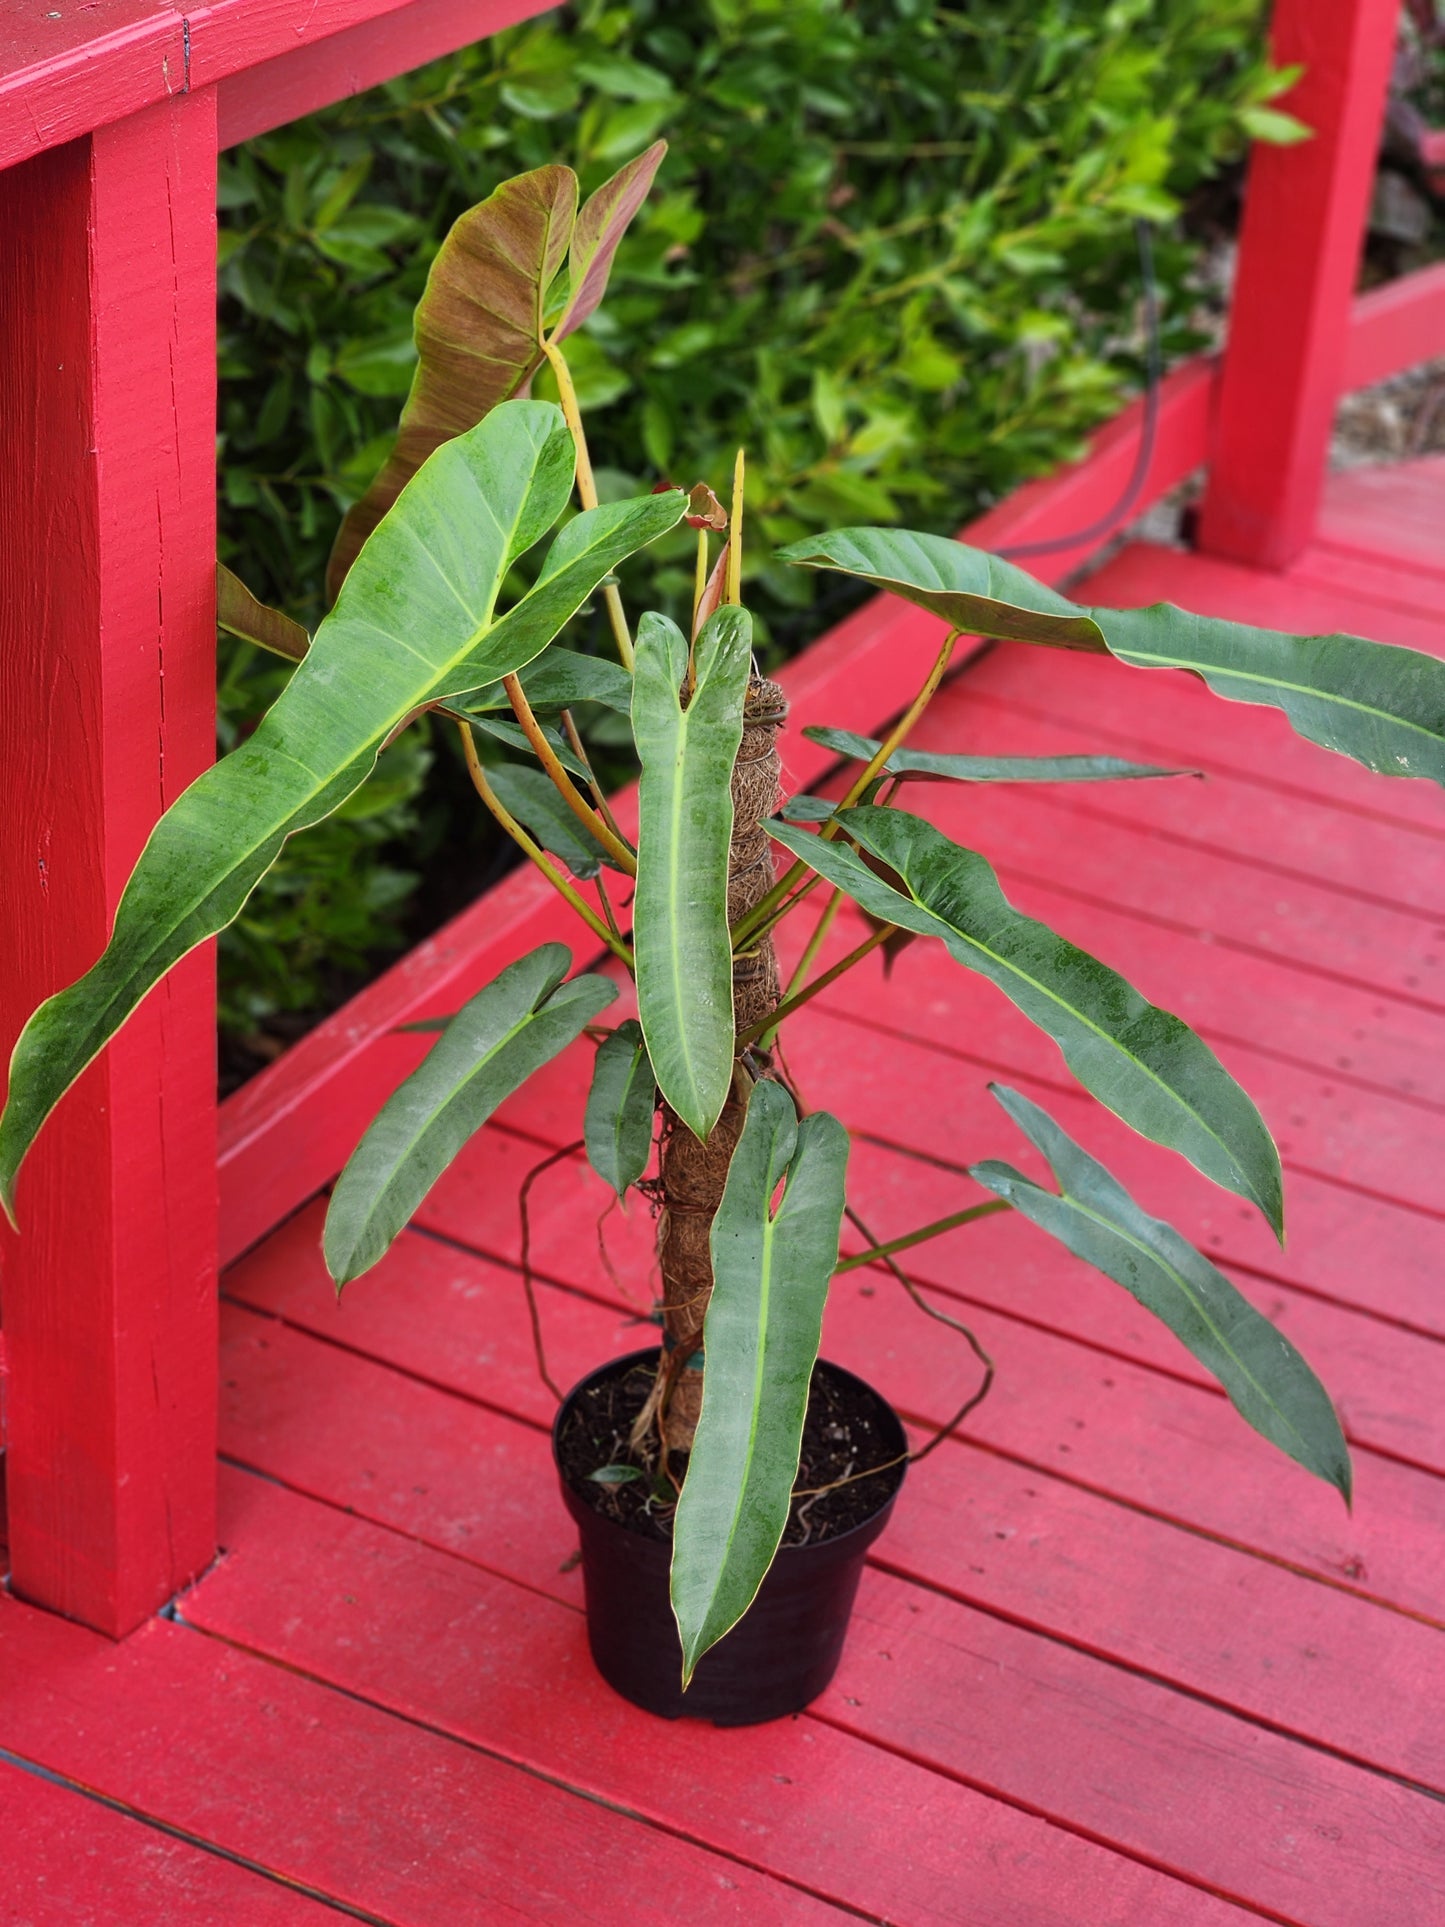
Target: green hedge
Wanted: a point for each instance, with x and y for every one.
(890, 250)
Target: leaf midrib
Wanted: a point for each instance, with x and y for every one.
(1189, 1292)
(1080, 1017)
(458, 1091)
(765, 1280)
(320, 782)
(1147, 658)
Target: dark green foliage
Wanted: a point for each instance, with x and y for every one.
(890, 250)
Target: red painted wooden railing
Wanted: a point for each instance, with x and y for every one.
(1299, 253)
(110, 121)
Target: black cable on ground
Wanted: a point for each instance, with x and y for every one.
(1108, 524)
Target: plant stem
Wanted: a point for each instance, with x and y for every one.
(790, 1004)
(587, 488)
(809, 957)
(607, 910)
(777, 916)
(699, 576)
(603, 807)
(734, 592)
(562, 782)
(524, 843)
(934, 1230)
(899, 732)
(976, 1398)
(748, 925)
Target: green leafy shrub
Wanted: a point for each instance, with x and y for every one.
(890, 250)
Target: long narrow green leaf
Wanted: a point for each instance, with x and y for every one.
(807, 809)
(1383, 706)
(508, 732)
(617, 1125)
(532, 798)
(601, 223)
(478, 331)
(242, 614)
(685, 819)
(760, 1342)
(494, 1043)
(1271, 1386)
(1148, 1066)
(988, 769)
(558, 679)
(416, 623)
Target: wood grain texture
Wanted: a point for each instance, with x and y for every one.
(72, 1862)
(1269, 1822)
(460, 1475)
(107, 699)
(66, 71)
(811, 1803)
(255, 99)
(401, 1823)
(1299, 248)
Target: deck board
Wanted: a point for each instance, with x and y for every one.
(357, 1415)
(1114, 1661)
(71, 1859)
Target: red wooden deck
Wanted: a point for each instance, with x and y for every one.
(1114, 1661)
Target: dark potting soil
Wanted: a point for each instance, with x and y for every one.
(842, 1435)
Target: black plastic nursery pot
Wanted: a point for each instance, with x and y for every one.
(784, 1651)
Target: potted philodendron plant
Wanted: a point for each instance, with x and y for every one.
(682, 1465)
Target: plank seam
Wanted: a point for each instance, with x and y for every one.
(542, 1274)
(338, 1344)
(857, 1735)
(1008, 1314)
(1351, 1588)
(1080, 1832)
(1324, 800)
(187, 1838)
(1046, 1469)
(1077, 809)
(896, 1570)
(509, 1760)
(1134, 1670)
(1303, 574)
(1333, 1178)
(1370, 1086)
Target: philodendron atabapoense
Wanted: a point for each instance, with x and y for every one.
(427, 617)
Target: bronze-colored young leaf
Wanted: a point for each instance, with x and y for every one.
(478, 332)
(241, 614)
(1270, 1385)
(603, 220)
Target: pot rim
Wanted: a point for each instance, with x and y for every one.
(627, 1360)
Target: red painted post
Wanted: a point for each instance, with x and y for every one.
(107, 690)
(1304, 220)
